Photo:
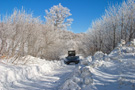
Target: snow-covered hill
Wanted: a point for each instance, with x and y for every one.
(115, 71)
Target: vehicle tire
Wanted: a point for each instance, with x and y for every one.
(76, 62)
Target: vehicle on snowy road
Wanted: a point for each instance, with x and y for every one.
(72, 58)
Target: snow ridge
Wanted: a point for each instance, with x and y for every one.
(28, 76)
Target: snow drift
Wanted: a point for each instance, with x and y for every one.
(12, 75)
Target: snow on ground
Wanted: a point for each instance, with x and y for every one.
(115, 71)
(36, 74)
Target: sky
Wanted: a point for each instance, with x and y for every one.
(83, 11)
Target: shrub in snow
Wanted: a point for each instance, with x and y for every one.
(99, 55)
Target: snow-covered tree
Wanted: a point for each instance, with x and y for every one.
(57, 16)
(117, 23)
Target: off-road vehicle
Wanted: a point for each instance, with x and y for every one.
(71, 58)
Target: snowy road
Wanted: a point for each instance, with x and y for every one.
(50, 81)
(31, 78)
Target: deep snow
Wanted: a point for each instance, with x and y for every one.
(115, 71)
(36, 74)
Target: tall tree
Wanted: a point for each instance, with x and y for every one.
(57, 16)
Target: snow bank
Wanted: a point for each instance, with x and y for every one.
(115, 71)
(33, 68)
(98, 55)
(81, 78)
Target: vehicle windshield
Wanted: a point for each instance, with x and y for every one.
(71, 53)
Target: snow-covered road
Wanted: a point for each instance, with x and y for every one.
(50, 81)
(48, 75)
(115, 71)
